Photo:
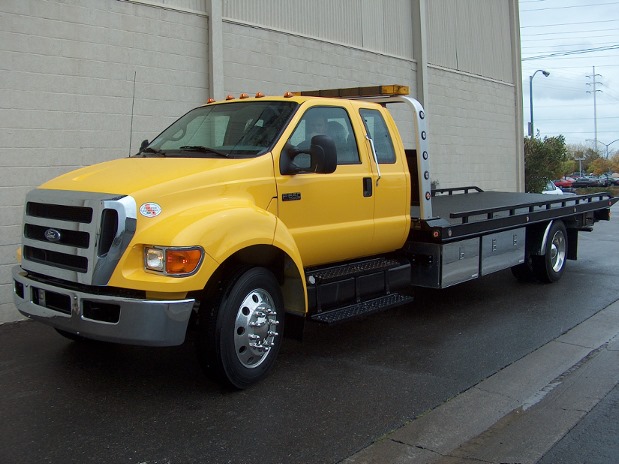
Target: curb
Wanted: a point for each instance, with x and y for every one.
(508, 417)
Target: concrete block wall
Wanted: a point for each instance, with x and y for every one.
(66, 71)
(273, 62)
(473, 131)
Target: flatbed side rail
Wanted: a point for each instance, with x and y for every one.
(577, 202)
(451, 191)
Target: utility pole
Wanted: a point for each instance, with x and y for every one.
(595, 112)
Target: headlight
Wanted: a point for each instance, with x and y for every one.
(176, 262)
(154, 259)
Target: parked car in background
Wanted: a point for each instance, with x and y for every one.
(552, 189)
(605, 180)
(564, 182)
(585, 181)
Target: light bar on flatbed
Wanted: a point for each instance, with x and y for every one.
(372, 91)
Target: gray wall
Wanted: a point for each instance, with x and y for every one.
(67, 69)
(66, 92)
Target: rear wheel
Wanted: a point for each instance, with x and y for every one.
(240, 333)
(549, 267)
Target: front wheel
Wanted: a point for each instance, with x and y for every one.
(549, 267)
(240, 331)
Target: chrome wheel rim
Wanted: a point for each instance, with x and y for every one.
(557, 251)
(255, 328)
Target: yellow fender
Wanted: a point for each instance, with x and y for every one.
(222, 229)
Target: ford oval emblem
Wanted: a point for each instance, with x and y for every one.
(52, 235)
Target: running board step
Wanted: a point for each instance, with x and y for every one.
(329, 274)
(364, 308)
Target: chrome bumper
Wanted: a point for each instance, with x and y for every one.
(102, 317)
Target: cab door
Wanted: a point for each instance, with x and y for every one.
(331, 216)
(391, 177)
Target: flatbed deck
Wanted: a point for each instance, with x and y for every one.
(468, 211)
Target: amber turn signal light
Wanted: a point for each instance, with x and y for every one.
(182, 261)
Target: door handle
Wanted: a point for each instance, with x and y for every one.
(367, 186)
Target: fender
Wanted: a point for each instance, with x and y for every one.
(221, 228)
(295, 287)
(542, 250)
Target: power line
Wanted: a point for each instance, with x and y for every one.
(573, 52)
(569, 7)
(570, 32)
(571, 24)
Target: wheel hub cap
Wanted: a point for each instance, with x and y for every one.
(557, 251)
(254, 333)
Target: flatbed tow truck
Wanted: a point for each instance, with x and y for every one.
(253, 214)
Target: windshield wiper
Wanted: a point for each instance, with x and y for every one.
(156, 151)
(203, 149)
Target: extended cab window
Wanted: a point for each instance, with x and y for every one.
(377, 130)
(229, 129)
(331, 121)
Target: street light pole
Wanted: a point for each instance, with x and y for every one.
(580, 160)
(605, 144)
(546, 74)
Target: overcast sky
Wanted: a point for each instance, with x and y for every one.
(580, 34)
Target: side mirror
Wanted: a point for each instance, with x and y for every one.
(144, 144)
(322, 157)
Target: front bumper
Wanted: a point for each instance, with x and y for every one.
(102, 317)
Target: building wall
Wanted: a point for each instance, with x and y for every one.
(472, 37)
(473, 131)
(380, 26)
(67, 71)
(66, 92)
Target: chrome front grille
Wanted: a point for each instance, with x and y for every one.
(76, 236)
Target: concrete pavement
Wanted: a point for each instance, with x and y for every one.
(519, 414)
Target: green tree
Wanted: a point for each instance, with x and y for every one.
(599, 166)
(543, 160)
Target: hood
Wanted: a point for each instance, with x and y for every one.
(163, 179)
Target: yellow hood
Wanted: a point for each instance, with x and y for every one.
(173, 179)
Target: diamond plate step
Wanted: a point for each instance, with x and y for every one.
(364, 308)
(351, 269)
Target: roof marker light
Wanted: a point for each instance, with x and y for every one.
(230, 97)
(259, 95)
(244, 96)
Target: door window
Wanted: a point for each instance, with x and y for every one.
(331, 121)
(379, 133)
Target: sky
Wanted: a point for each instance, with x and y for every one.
(568, 38)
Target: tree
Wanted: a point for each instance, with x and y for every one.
(543, 160)
(600, 166)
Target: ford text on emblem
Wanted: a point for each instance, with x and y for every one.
(52, 235)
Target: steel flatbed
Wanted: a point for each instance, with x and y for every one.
(467, 212)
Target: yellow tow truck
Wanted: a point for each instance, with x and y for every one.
(257, 213)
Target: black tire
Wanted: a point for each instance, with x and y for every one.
(550, 267)
(524, 272)
(240, 331)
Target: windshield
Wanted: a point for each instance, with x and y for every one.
(227, 130)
